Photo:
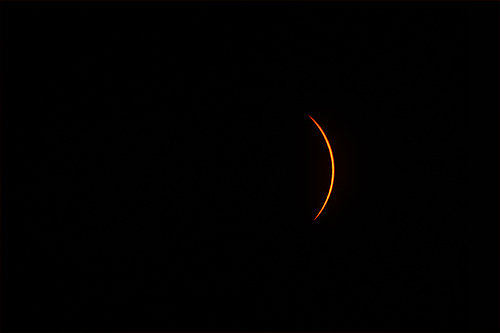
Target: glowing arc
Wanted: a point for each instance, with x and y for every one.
(333, 166)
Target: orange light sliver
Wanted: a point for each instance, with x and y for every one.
(333, 166)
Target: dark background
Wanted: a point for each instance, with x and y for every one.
(163, 174)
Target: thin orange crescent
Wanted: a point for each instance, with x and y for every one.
(333, 166)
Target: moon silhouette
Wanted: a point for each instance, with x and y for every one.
(333, 166)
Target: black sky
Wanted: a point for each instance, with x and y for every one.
(169, 174)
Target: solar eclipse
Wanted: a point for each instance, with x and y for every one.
(333, 166)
